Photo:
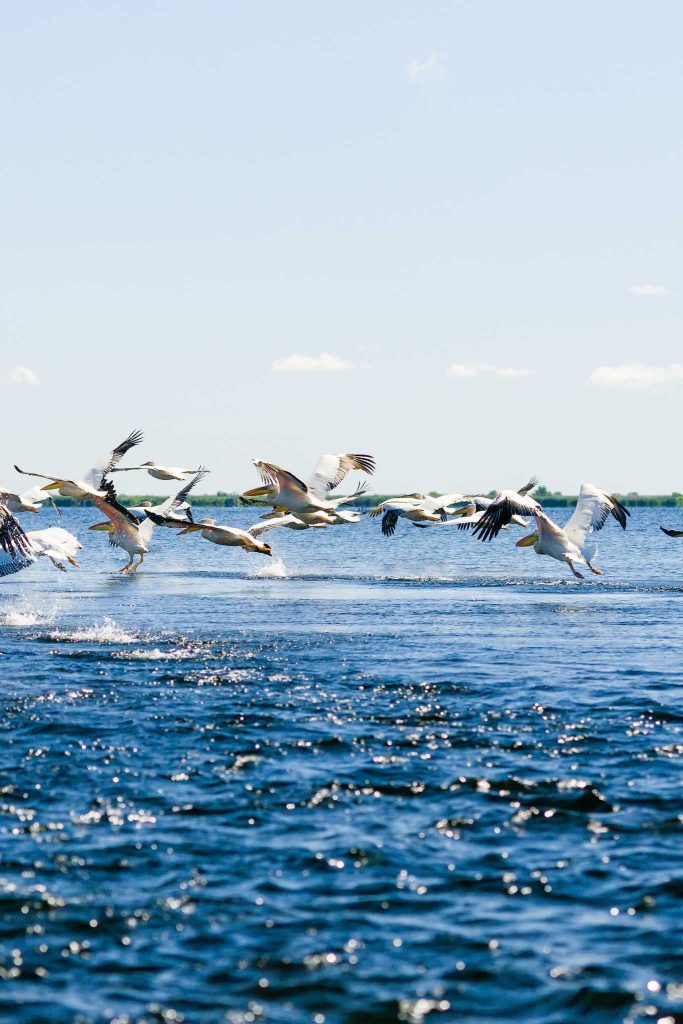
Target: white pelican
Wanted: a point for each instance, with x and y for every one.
(16, 552)
(230, 536)
(93, 483)
(134, 534)
(417, 509)
(288, 493)
(161, 472)
(27, 501)
(572, 544)
(56, 544)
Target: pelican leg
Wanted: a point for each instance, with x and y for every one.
(578, 575)
(136, 567)
(126, 568)
(598, 572)
(73, 562)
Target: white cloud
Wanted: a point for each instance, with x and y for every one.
(648, 289)
(21, 375)
(310, 364)
(465, 371)
(634, 375)
(429, 70)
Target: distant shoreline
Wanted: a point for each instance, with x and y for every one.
(226, 499)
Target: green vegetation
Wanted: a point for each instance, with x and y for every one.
(550, 499)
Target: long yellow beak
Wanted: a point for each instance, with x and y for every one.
(258, 492)
(527, 542)
(52, 487)
(105, 527)
(192, 528)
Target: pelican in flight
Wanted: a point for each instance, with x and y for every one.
(419, 509)
(27, 501)
(93, 483)
(572, 544)
(287, 493)
(56, 544)
(16, 552)
(230, 536)
(132, 533)
(161, 472)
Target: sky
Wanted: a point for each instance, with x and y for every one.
(446, 233)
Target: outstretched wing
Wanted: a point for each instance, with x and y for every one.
(272, 524)
(671, 533)
(500, 513)
(106, 462)
(15, 548)
(330, 470)
(276, 476)
(593, 509)
(528, 486)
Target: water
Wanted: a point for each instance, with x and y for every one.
(371, 780)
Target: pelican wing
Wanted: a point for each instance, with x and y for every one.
(178, 500)
(330, 471)
(593, 509)
(528, 486)
(56, 539)
(273, 523)
(275, 476)
(500, 513)
(671, 533)
(105, 463)
(347, 499)
(15, 547)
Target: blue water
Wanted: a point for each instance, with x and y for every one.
(408, 779)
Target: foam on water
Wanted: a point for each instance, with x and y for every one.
(105, 632)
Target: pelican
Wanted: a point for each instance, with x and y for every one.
(16, 552)
(275, 520)
(417, 509)
(27, 501)
(572, 544)
(287, 493)
(161, 472)
(56, 544)
(230, 536)
(133, 534)
(93, 483)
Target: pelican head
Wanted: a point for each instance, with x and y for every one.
(150, 463)
(105, 527)
(264, 549)
(527, 542)
(53, 487)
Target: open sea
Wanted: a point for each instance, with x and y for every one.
(370, 780)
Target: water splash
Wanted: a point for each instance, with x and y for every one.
(276, 569)
(105, 632)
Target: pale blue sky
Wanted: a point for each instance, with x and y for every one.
(194, 191)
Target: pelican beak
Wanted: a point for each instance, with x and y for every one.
(527, 542)
(29, 508)
(465, 510)
(192, 528)
(258, 492)
(52, 487)
(74, 562)
(104, 527)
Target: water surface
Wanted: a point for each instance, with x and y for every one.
(370, 780)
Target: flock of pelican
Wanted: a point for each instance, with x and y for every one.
(293, 504)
